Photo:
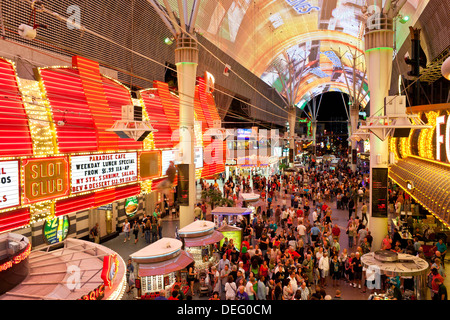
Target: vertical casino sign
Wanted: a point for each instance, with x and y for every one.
(44, 179)
(9, 184)
(380, 192)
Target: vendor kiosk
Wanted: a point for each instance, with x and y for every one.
(383, 264)
(159, 267)
(230, 215)
(199, 238)
(252, 201)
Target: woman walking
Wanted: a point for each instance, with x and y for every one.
(136, 229)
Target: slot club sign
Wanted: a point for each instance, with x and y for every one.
(44, 179)
(102, 171)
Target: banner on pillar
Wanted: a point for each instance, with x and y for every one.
(380, 192)
(354, 156)
(291, 155)
(183, 184)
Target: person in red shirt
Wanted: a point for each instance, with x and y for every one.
(434, 285)
(263, 195)
(275, 242)
(246, 244)
(294, 254)
(264, 269)
(336, 231)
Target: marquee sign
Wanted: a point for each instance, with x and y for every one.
(9, 184)
(102, 170)
(431, 144)
(150, 164)
(166, 157)
(44, 179)
(443, 138)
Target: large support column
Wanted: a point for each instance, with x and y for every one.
(378, 54)
(186, 60)
(291, 119)
(314, 137)
(354, 116)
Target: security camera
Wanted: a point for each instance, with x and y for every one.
(61, 123)
(27, 32)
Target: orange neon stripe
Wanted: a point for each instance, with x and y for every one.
(91, 81)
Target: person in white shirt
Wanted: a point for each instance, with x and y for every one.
(301, 230)
(230, 289)
(241, 267)
(284, 216)
(293, 280)
(319, 254)
(249, 289)
(324, 267)
(126, 229)
(315, 215)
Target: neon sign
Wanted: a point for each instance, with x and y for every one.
(96, 294)
(45, 179)
(16, 259)
(110, 269)
(102, 171)
(440, 137)
(9, 184)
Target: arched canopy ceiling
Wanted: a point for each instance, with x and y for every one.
(319, 37)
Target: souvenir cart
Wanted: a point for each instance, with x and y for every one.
(160, 266)
(199, 238)
(230, 215)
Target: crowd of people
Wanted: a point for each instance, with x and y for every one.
(292, 248)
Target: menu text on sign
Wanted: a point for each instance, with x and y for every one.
(102, 171)
(9, 184)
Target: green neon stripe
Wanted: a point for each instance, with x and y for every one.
(380, 48)
(185, 63)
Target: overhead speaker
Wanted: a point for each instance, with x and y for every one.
(401, 133)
